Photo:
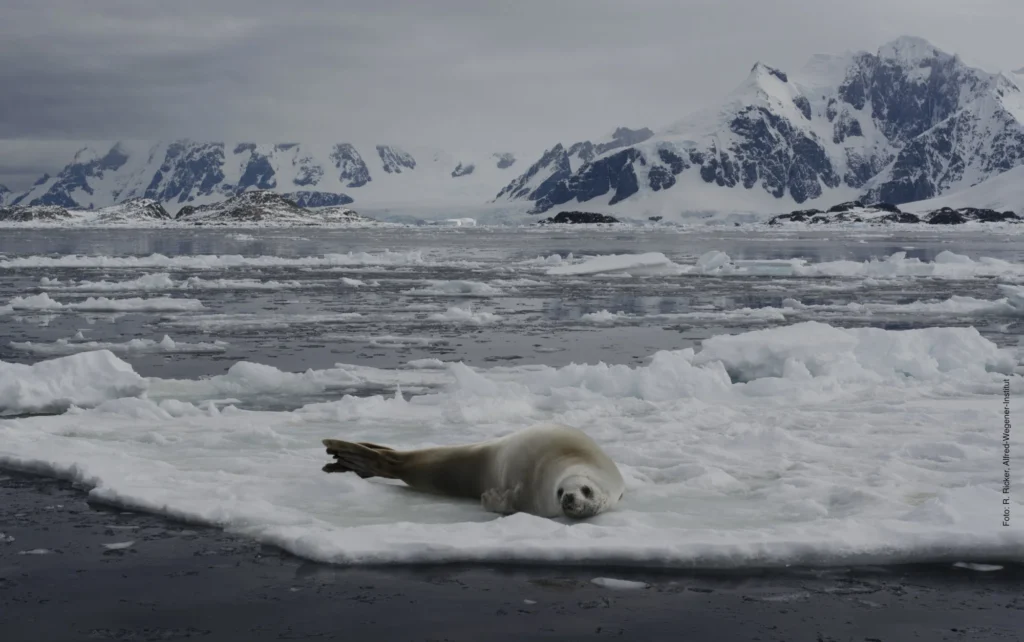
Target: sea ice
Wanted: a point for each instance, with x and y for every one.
(43, 302)
(613, 583)
(800, 444)
(211, 261)
(458, 289)
(464, 315)
(83, 380)
(166, 345)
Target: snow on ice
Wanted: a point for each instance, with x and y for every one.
(947, 265)
(42, 302)
(83, 380)
(464, 315)
(800, 444)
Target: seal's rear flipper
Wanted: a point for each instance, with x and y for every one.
(361, 460)
(374, 446)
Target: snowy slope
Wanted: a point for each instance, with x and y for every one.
(905, 123)
(1004, 192)
(199, 172)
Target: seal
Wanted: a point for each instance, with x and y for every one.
(549, 470)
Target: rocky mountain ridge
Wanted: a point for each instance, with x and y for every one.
(186, 172)
(261, 207)
(906, 123)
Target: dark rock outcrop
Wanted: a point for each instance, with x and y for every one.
(613, 173)
(258, 174)
(900, 217)
(580, 217)
(264, 207)
(463, 170)
(75, 178)
(34, 214)
(622, 137)
(803, 105)
(846, 207)
(950, 216)
(189, 170)
(318, 199)
(554, 164)
(249, 207)
(505, 160)
(353, 168)
(855, 212)
(394, 160)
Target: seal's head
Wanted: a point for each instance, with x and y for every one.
(581, 497)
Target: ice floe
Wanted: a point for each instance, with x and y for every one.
(83, 380)
(800, 444)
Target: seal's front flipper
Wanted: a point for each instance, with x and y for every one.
(501, 501)
(363, 461)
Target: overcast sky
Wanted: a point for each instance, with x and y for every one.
(458, 74)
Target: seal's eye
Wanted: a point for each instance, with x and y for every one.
(560, 491)
(587, 492)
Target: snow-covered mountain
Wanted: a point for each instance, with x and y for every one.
(1004, 192)
(187, 172)
(5, 195)
(906, 123)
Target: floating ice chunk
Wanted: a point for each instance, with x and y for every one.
(457, 288)
(981, 568)
(210, 322)
(119, 546)
(167, 345)
(1014, 296)
(863, 354)
(387, 341)
(161, 281)
(946, 257)
(83, 380)
(6, 539)
(603, 317)
(612, 583)
(353, 283)
(650, 263)
(196, 283)
(465, 315)
(548, 261)
(713, 261)
(212, 261)
(40, 301)
(43, 302)
(36, 551)
(427, 364)
(147, 282)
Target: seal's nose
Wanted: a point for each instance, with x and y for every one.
(568, 499)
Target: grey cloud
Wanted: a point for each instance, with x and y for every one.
(452, 73)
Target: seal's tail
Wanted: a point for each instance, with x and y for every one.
(364, 459)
